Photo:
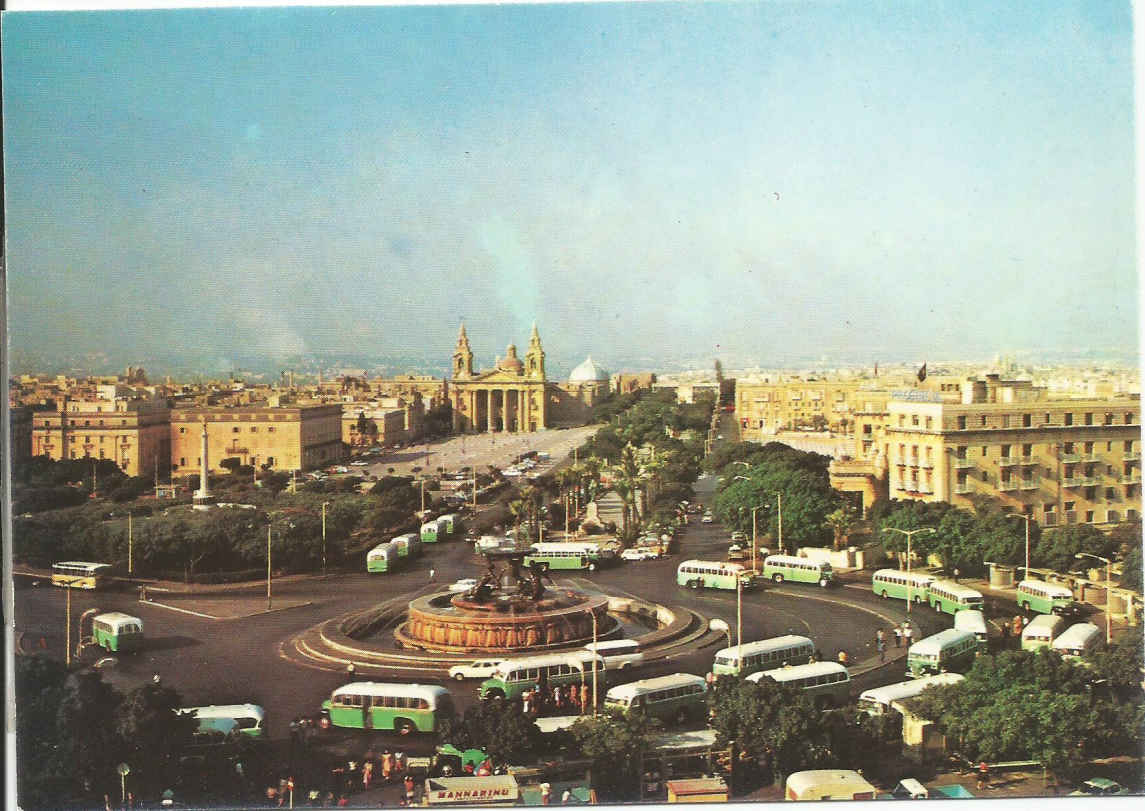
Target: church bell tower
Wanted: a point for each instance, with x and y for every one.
(462, 356)
(535, 357)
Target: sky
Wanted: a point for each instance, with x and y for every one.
(752, 180)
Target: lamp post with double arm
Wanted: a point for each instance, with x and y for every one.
(1108, 589)
(909, 536)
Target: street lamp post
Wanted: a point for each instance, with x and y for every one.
(268, 526)
(909, 536)
(594, 654)
(779, 500)
(1108, 588)
(718, 624)
(754, 533)
(324, 505)
(1027, 519)
(130, 567)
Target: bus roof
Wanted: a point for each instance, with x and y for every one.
(799, 671)
(1053, 589)
(908, 689)
(635, 688)
(409, 536)
(82, 564)
(781, 559)
(379, 688)
(1076, 635)
(933, 644)
(826, 782)
(714, 563)
(581, 656)
(612, 645)
(766, 645)
(429, 525)
(956, 589)
(1045, 622)
(901, 573)
(117, 618)
(226, 711)
(563, 546)
(970, 619)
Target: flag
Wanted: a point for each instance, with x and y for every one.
(922, 372)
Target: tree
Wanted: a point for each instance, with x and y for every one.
(1060, 545)
(154, 736)
(841, 519)
(42, 780)
(86, 720)
(500, 728)
(616, 744)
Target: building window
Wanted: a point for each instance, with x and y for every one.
(1109, 419)
(1069, 418)
(270, 429)
(1089, 516)
(254, 429)
(1089, 418)
(87, 422)
(1048, 420)
(182, 430)
(902, 420)
(1027, 420)
(982, 420)
(1129, 446)
(962, 423)
(1005, 451)
(1005, 420)
(235, 430)
(1112, 517)
(1128, 418)
(960, 452)
(985, 451)
(914, 419)
(1067, 447)
(1069, 506)
(1027, 451)
(1110, 494)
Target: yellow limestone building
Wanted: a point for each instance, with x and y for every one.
(511, 397)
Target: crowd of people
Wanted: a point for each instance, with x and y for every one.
(544, 699)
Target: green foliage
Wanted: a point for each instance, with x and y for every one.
(42, 499)
(130, 489)
(153, 735)
(615, 743)
(1060, 544)
(1120, 664)
(807, 499)
(39, 690)
(439, 420)
(1020, 705)
(500, 728)
(962, 539)
(1131, 568)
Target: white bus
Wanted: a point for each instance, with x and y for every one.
(828, 784)
(1041, 631)
(224, 719)
(901, 585)
(765, 654)
(1078, 640)
(798, 570)
(974, 621)
(514, 676)
(827, 683)
(877, 700)
(619, 654)
(1043, 597)
(678, 698)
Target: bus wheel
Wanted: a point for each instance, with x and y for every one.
(823, 582)
(694, 585)
(778, 578)
(404, 726)
(592, 567)
(885, 595)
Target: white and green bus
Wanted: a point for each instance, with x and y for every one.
(115, 631)
(798, 570)
(404, 708)
(678, 698)
(1041, 631)
(826, 683)
(878, 700)
(408, 545)
(564, 555)
(449, 522)
(382, 558)
(1078, 640)
(951, 597)
(713, 574)
(1043, 597)
(901, 585)
(974, 621)
(764, 654)
(220, 720)
(514, 676)
(949, 650)
(432, 531)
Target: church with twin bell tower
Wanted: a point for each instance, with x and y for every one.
(512, 397)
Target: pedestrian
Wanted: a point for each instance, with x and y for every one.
(351, 670)
(432, 572)
(842, 658)
(882, 646)
(879, 636)
(526, 697)
(907, 633)
(367, 774)
(710, 678)
(574, 701)
(898, 636)
(107, 802)
(565, 797)
(1005, 632)
(342, 801)
(983, 775)
(546, 793)
(409, 786)
(956, 574)
(1017, 625)
(387, 765)
(559, 697)
(585, 698)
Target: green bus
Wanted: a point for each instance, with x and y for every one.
(1043, 597)
(951, 597)
(404, 708)
(514, 676)
(433, 531)
(901, 585)
(382, 558)
(713, 574)
(828, 684)
(449, 521)
(764, 654)
(408, 545)
(115, 631)
(678, 698)
(564, 555)
(218, 721)
(949, 650)
(798, 570)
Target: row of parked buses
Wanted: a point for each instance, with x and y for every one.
(388, 555)
(440, 529)
(711, 574)
(1035, 596)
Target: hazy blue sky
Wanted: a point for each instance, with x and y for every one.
(904, 179)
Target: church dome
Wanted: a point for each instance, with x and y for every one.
(511, 362)
(588, 372)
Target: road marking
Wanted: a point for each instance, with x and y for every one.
(180, 610)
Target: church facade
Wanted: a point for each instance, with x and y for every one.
(511, 397)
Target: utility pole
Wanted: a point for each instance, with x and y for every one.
(324, 504)
(130, 568)
(909, 535)
(68, 628)
(268, 526)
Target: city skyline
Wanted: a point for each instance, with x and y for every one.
(669, 181)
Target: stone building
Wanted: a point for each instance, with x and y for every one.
(512, 397)
(132, 431)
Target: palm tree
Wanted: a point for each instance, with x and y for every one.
(517, 510)
(625, 493)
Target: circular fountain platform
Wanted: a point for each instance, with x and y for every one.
(451, 623)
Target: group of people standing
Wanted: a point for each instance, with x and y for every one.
(902, 633)
(556, 700)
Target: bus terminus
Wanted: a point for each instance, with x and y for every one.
(951, 597)
(798, 570)
(514, 676)
(911, 586)
(826, 683)
(678, 698)
(404, 708)
(565, 555)
(947, 650)
(708, 574)
(115, 631)
(766, 654)
(877, 700)
(1078, 640)
(1043, 597)
(78, 574)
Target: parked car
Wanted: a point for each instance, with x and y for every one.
(707, 518)
(735, 552)
(481, 669)
(739, 537)
(359, 463)
(636, 553)
(1099, 787)
(463, 585)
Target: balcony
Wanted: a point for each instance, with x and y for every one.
(963, 489)
(1073, 481)
(926, 464)
(1090, 457)
(1131, 456)
(1130, 478)
(1029, 484)
(1069, 457)
(1006, 461)
(1028, 460)
(1008, 486)
(963, 464)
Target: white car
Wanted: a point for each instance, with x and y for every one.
(359, 463)
(707, 518)
(636, 553)
(481, 669)
(463, 585)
